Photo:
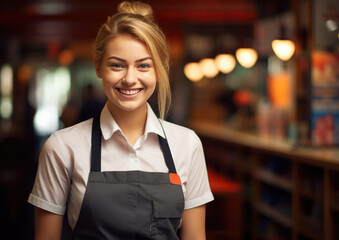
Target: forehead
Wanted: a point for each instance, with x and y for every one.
(127, 47)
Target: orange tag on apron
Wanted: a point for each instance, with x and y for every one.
(175, 179)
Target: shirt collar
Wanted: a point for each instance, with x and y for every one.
(107, 123)
(153, 124)
(109, 126)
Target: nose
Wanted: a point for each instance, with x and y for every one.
(130, 78)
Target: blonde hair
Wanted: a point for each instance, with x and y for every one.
(136, 20)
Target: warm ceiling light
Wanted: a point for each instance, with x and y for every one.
(192, 71)
(208, 67)
(247, 57)
(225, 62)
(284, 49)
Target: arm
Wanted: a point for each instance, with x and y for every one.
(193, 224)
(48, 226)
(51, 190)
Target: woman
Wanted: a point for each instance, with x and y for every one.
(125, 174)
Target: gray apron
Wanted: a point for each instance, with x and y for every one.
(130, 204)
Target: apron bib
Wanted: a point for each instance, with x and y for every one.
(130, 204)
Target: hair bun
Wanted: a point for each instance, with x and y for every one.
(138, 8)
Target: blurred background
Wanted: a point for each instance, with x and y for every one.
(258, 80)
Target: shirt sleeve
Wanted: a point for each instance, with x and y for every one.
(198, 190)
(52, 181)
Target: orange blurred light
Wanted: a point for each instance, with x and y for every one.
(279, 89)
(24, 73)
(66, 57)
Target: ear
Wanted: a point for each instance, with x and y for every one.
(97, 70)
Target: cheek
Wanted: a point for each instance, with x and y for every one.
(151, 79)
(108, 83)
(107, 88)
(111, 77)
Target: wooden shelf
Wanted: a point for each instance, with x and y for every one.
(310, 235)
(319, 156)
(272, 179)
(274, 214)
(309, 176)
(314, 229)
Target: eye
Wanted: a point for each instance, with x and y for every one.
(144, 66)
(116, 65)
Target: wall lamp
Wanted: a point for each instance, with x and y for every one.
(208, 67)
(283, 47)
(225, 63)
(192, 71)
(247, 57)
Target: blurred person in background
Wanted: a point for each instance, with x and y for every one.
(91, 105)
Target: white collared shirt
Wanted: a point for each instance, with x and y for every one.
(64, 162)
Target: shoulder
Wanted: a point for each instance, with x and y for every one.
(180, 135)
(70, 136)
(177, 129)
(76, 131)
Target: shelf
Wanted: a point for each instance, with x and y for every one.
(292, 188)
(314, 229)
(310, 235)
(272, 179)
(268, 230)
(223, 132)
(274, 214)
(334, 191)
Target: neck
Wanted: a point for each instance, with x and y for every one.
(131, 123)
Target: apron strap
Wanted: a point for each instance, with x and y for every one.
(167, 154)
(96, 145)
(96, 148)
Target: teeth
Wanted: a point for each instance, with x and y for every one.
(129, 92)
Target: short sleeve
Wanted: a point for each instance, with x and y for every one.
(198, 190)
(52, 181)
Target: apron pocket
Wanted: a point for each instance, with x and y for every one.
(165, 210)
(166, 218)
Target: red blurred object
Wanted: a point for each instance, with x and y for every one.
(243, 98)
(224, 214)
(53, 50)
(220, 184)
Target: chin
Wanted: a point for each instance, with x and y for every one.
(131, 107)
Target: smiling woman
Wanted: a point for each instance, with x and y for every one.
(124, 174)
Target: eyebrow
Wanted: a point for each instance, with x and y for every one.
(123, 60)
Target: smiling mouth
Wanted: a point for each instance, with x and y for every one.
(129, 92)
